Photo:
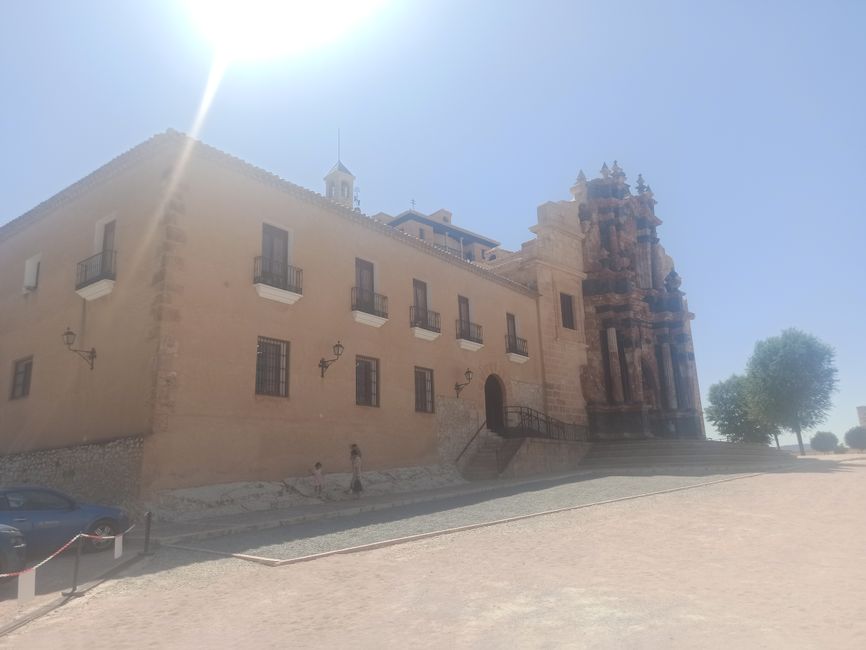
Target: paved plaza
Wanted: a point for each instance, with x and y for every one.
(770, 561)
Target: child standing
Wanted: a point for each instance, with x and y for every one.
(317, 478)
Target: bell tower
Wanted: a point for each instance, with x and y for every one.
(340, 183)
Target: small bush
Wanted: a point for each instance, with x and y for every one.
(824, 441)
(841, 449)
(856, 438)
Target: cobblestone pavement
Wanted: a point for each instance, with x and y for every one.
(771, 561)
(369, 527)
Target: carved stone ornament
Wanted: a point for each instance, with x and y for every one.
(673, 282)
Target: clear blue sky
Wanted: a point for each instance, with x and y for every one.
(747, 118)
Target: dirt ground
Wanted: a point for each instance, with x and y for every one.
(773, 561)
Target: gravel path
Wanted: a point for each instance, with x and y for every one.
(365, 528)
(771, 561)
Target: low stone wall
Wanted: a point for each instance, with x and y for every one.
(537, 457)
(108, 473)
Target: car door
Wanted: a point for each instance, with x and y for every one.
(48, 519)
(11, 516)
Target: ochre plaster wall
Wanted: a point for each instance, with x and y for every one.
(68, 403)
(212, 427)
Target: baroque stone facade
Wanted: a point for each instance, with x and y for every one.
(640, 377)
(615, 326)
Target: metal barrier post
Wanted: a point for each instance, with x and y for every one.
(73, 593)
(148, 517)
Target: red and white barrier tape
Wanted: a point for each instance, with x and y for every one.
(60, 550)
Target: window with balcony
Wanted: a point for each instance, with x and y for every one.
(425, 323)
(95, 275)
(273, 276)
(272, 367)
(423, 390)
(22, 371)
(469, 334)
(368, 307)
(366, 381)
(515, 347)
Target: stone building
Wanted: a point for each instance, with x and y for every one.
(236, 326)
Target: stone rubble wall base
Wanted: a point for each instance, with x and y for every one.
(107, 473)
(189, 504)
(538, 456)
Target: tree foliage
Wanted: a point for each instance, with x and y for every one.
(790, 380)
(856, 438)
(728, 410)
(824, 441)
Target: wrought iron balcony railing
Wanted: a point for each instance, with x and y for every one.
(425, 319)
(101, 266)
(276, 273)
(516, 345)
(370, 303)
(469, 331)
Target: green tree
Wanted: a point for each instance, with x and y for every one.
(824, 441)
(856, 438)
(790, 380)
(728, 410)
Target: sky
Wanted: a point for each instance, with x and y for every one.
(748, 119)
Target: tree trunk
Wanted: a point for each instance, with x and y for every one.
(776, 436)
(800, 439)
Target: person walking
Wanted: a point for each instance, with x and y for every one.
(355, 457)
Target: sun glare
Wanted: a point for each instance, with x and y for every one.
(253, 30)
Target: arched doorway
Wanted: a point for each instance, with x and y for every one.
(494, 404)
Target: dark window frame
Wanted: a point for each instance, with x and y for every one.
(22, 375)
(424, 396)
(367, 381)
(272, 367)
(566, 306)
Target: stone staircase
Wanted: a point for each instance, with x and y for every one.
(491, 456)
(637, 455)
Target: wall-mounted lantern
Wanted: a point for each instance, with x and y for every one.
(87, 355)
(458, 386)
(324, 363)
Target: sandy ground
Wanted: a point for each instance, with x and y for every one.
(774, 561)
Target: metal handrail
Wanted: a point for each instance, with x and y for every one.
(96, 267)
(469, 331)
(279, 274)
(525, 421)
(369, 302)
(516, 345)
(425, 319)
(474, 435)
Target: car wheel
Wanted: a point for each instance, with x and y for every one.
(104, 527)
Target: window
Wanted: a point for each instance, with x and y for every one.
(463, 310)
(108, 236)
(272, 367)
(31, 272)
(423, 390)
(37, 500)
(422, 234)
(21, 374)
(566, 303)
(366, 381)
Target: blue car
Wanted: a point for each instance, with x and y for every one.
(13, 550)
(49, 518)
